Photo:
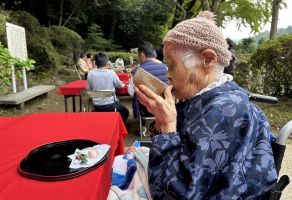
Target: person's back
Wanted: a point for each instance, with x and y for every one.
(230, 69)
(105, 79)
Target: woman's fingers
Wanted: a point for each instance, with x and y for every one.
(148, 92)
(167, 92)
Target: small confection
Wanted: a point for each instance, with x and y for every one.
(92, 153)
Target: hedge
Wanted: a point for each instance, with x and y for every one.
(271, 67)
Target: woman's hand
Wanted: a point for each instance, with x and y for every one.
(163, 109)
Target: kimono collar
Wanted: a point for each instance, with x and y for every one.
(223, 79)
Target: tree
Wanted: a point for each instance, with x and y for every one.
(253, 14)
(95, 40)
(247, 45)
(138, 20)
(275, 14)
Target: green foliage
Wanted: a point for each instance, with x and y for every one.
(50, 47)
(3, 18)
(67, 43)
(95, 40)
(266, 34)
(272, 65)
(113, 55)
(140, 20)
(253, 14)
(6, 61)
(247, 45)
(38, 41)
(242, 72)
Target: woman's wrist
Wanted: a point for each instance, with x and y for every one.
(166, 128)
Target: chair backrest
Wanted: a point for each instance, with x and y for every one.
(87, 96)
(79, 76)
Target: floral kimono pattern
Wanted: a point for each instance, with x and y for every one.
(221, 150)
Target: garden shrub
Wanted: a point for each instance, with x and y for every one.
(44, 53)
(6, 61)
(271, 65)
(67, 43)
(113, 55)
(50, 47)
(39, 45)
(4, 16)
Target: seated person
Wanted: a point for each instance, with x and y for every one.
(214, 143)
(103, 78)
(83, 65)
(155, 57)
(145, 58)
(89, 61)
(119, 63)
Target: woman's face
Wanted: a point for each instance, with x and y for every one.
(186, 82)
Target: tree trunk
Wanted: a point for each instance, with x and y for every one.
(205, 5)
(70, 17)
(61, 12)
(275, 14)
(113, 25)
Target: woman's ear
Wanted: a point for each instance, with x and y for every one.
(210, 59)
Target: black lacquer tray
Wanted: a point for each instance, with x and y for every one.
(50, 162)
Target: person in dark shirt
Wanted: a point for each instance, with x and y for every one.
(148, 63)
(230, 69)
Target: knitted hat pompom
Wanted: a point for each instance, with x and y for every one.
(201, 33)
(208, 15)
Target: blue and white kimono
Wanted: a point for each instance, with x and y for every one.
(221, 149)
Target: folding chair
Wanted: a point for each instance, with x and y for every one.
(145, 118)
(78, 73)
(88, 95)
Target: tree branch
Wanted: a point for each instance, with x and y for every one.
(61, 12)
(70, 17)
(205, 5)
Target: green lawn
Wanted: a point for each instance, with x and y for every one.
(278, 114)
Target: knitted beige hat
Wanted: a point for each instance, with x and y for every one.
(201, 33)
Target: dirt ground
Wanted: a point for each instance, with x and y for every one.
(55, 103)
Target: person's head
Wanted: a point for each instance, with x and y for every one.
(230, 43)
(83, 56)
(145, 51)
(89, 55)
(154, 54)
(196, 53)
(101, 60)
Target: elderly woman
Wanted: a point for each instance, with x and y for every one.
(214, 144)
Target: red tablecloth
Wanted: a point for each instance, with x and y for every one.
(20, 135)
(124, 77)
(75, 87)
(72, 88)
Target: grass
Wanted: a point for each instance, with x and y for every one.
(278, 114)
